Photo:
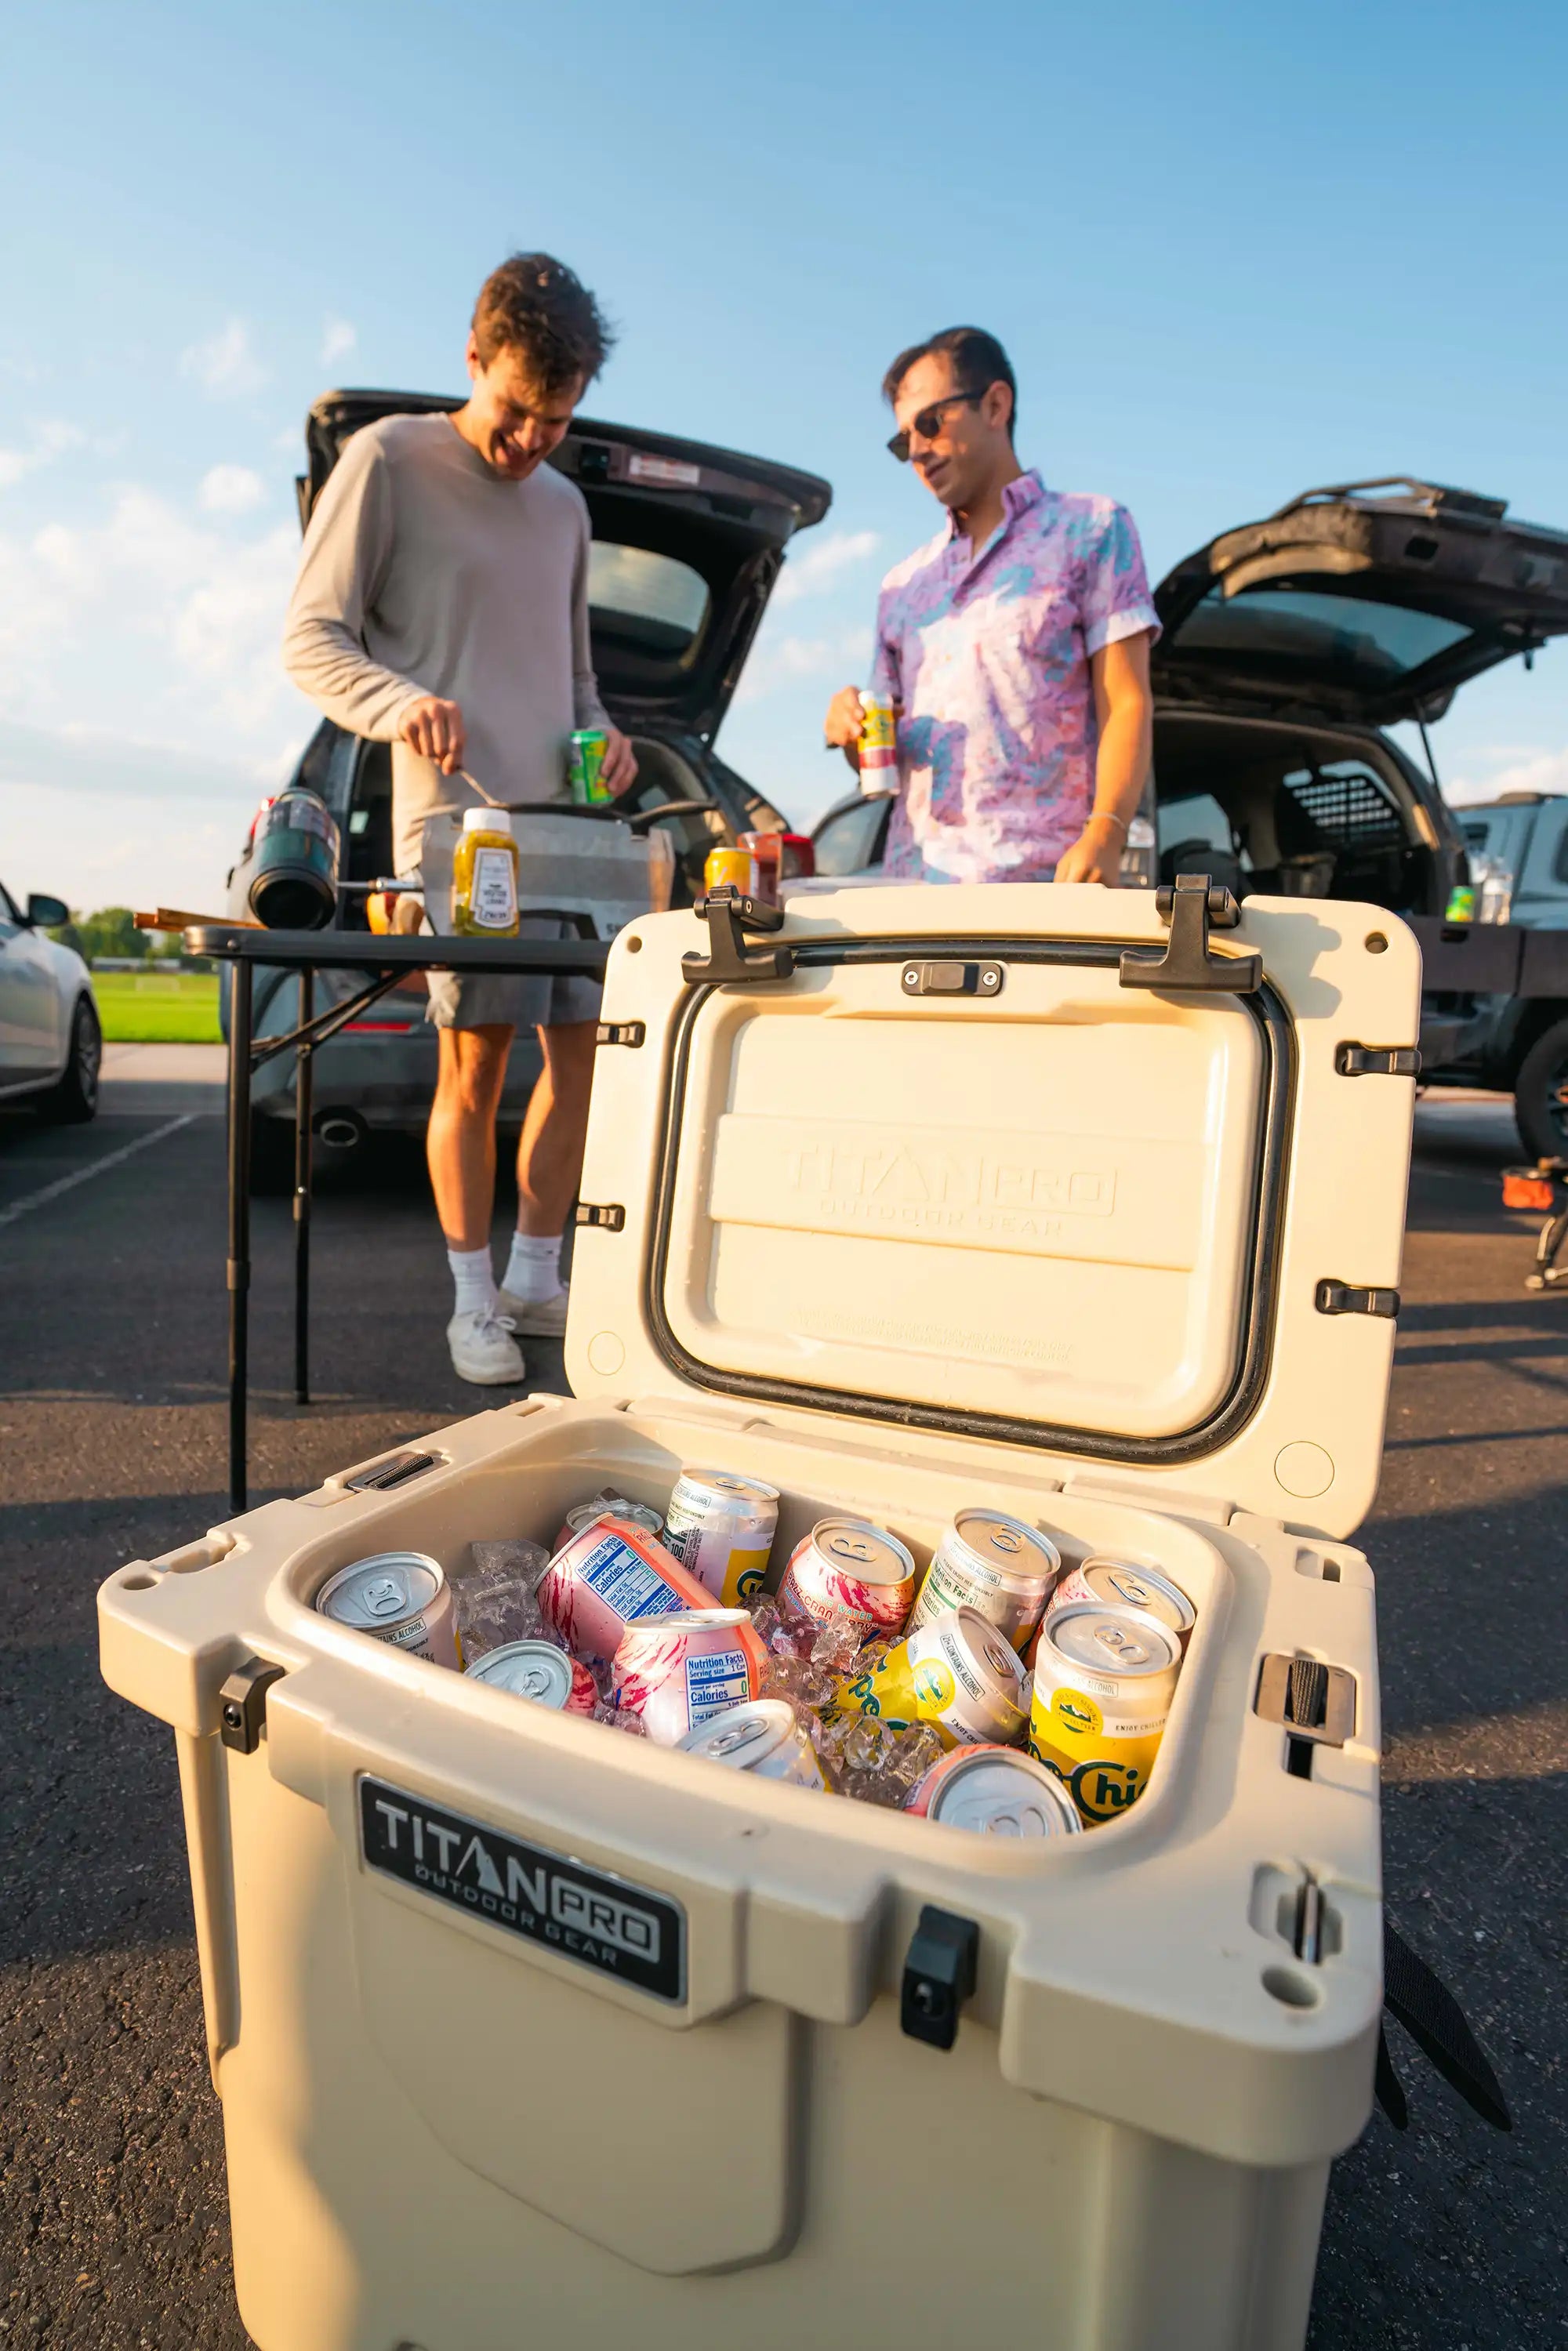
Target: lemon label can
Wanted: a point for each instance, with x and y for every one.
(957, 1673)
(1103, 1679)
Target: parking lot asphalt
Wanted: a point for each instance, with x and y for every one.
(112, 2220)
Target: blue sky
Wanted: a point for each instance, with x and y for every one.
(1235, 251)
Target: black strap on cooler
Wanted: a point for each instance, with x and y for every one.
(1432, 2017)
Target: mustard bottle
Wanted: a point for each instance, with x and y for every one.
(484, 876)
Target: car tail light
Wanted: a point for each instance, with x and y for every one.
(798, 859)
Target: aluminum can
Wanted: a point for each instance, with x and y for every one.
(737, 867)
(1103, 1679)
(399, 1596)
(538, 1669)
(997, 1565)
(878, 747)
(848, 1572)
(610, 1577)
(957, 1673)
(1121, 1583)
(585, 767)
(996, 1791)
(678, 1671)
(766, 1736)
(767, 848)
(609, 1505)
(722, 1527)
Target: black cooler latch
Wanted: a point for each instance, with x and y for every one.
(242, 1705)
(730, 963)
(1192, 904)
(1348, 1297)
(938, 1976)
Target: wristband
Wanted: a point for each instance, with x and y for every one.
(1106, 816)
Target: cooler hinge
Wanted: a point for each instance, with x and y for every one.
(1192, 904)
(610, 1217)
(1378, 1061)
(242, 1705)
(621, 1032)
(1344, 1298)
(728, 963)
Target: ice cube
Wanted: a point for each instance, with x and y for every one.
(619, 1718)
(494, 1597)
(836, 1645)
(509, 1563)
(798, 1678)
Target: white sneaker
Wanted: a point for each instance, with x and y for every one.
(484, 1350)
(544, 1319)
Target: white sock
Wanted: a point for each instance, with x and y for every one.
(474, 1277)
(533, 1269)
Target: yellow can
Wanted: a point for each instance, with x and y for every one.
(1104, 1680)
(957, 1673)
(737, 867)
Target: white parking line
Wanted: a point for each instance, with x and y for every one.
(84, 1175)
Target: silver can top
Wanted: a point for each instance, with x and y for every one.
(1007, 1547)
(1119, 1584)
(1117, 1642)
(744, 1736)
(854, 1547)
(377, 1593)
(726, 1486)
(1003, 1794)
(535, 1669)
(989, 1650)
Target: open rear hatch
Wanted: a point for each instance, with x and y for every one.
(1372, 602)
(688, 541)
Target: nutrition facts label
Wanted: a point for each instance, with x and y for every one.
(627, 1584)
(713, 1683)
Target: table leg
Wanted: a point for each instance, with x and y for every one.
(304, 1094)
(239, 1224)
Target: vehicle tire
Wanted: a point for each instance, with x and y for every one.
(1541, 1095)
(73, 1100)
(271, 1157)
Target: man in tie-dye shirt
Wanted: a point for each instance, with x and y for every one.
(1015, 647)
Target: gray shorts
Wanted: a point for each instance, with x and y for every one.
(479, 999)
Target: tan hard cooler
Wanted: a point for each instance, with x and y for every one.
(531, 2033)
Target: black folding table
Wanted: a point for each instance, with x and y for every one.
(383, 961)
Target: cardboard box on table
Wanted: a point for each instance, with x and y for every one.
(630, 2067)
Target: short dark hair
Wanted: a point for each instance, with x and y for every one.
(978, 360)
(537, 307)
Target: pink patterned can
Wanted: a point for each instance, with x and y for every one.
(610, 1577)
(679, 1670)
(849, 1572)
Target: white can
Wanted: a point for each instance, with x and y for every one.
(399, 1596)
(766, 1736)
(1120, 1583)
(995, 1564)
(722, 1526)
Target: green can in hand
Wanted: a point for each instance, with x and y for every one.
(585, 767)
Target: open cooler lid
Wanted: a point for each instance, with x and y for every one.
(960, 1170)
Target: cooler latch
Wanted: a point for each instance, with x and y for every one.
(1192, 904)
(619, 1032)
(242, 1705)
(1378, 1061)
(938, 1976)
(609, 1215)
(1344, 1298)
(728, 963)
(952, 979)
(1312, 1700)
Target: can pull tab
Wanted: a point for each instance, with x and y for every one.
(938, 1976)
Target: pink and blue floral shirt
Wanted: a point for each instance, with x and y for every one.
(988, 654)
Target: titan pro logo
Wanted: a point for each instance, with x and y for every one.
(604, 1923)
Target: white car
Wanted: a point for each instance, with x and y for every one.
(51, 1041)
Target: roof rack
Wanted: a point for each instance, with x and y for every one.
(1430, 496)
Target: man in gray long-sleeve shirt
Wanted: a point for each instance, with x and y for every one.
(442, 605)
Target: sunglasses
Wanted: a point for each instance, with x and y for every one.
(928, 423)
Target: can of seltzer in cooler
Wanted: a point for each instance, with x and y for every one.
(585, 767)
(957, 1673)
(609, 1505)
(996, 1791)
(722, 1526)
(766, 1736)
(1102, 1684)
(996, 1564)
(878, 748)
(399, 1596)
(1119, 1583)
(676, 1671)
(606, 1578)
(848, 1572)
(539, 1670)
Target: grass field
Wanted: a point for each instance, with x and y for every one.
(171, 1008)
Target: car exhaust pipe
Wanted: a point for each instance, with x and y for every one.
(341, 1130)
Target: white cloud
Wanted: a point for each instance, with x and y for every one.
(822, 562)
(1530, 769)
(224, 365)
(232, 490)
(337, 340)
(778, 660)
(50, 440)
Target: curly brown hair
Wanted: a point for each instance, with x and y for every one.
(537, 307)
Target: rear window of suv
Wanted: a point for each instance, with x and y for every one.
(645, 599)
(1348, 637)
